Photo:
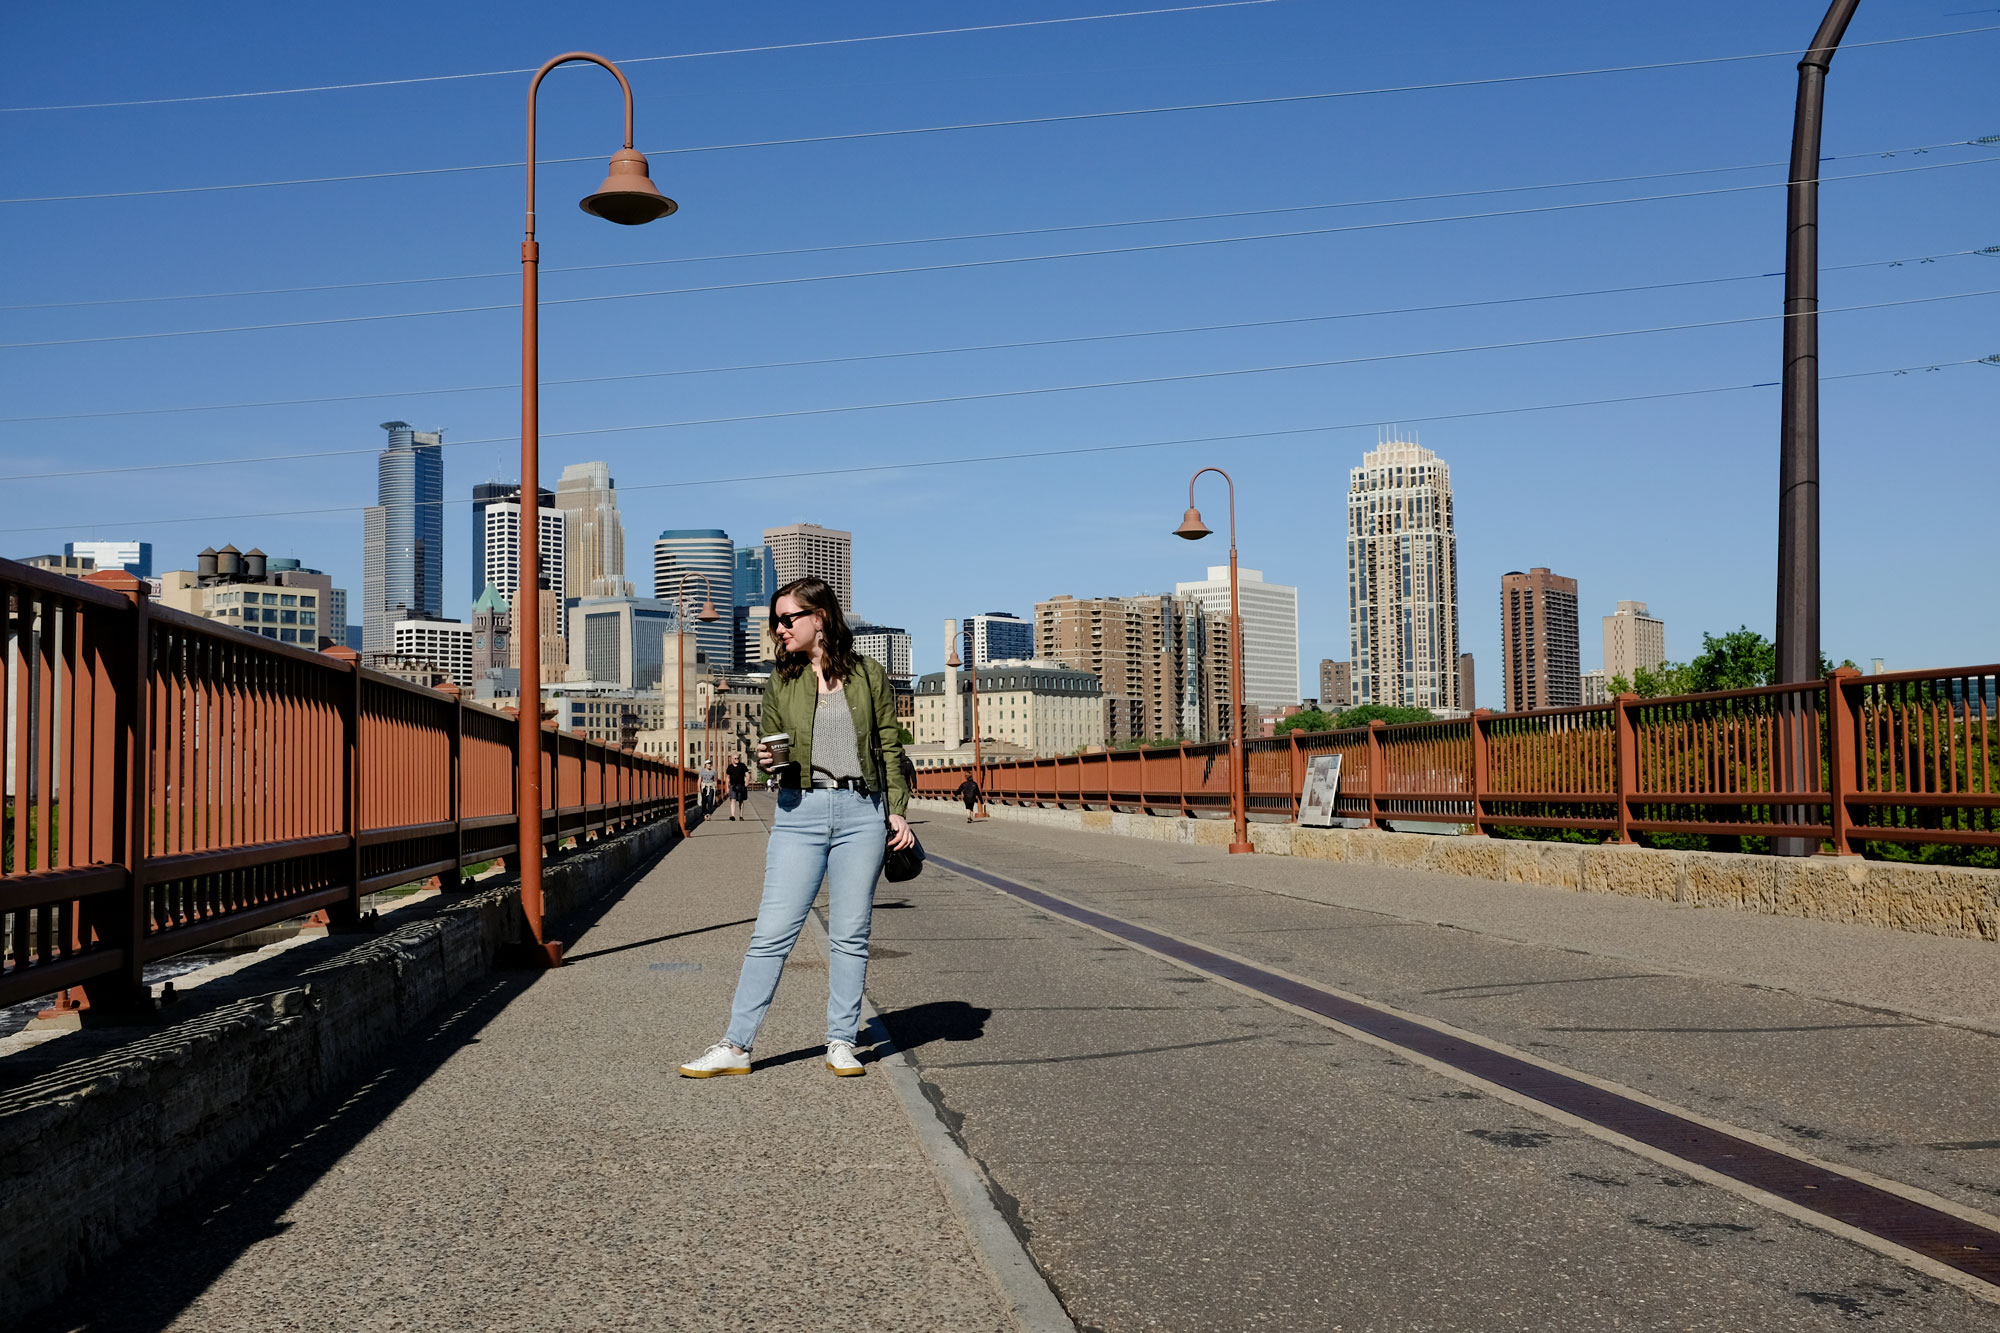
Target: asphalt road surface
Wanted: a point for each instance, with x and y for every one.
(1181, 1155)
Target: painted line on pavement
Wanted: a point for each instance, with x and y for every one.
(1939, 1237)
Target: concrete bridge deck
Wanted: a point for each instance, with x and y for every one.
(1169, 1149)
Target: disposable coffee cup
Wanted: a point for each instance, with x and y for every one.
(780, 746)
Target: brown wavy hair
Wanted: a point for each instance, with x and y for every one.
(814, 595)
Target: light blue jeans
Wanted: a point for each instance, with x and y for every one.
(829, 834)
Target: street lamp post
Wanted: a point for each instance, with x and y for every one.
(1193, 529)
(1798, 428)
(978, 772)
(628, 197)
(707, 614)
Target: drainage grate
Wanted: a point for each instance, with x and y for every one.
(1952, 1241)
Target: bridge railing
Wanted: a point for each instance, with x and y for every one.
(1910, 757)
(171, 782)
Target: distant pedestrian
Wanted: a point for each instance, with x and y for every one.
(707, 788)
(839, 810)
(738, 774)
(968, 791)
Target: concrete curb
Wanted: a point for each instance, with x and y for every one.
(1030, 1301)
(1891, 895)
(104, 1129)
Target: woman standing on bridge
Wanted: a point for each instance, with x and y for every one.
(836, 706)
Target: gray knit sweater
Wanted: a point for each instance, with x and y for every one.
(833, 749)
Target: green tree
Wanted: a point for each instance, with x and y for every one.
(1742, 659)
(1389, 713)
(1310, 719)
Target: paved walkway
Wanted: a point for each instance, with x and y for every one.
(536, 1163)
(1173, 1152)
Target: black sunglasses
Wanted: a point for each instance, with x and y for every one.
(786, 619)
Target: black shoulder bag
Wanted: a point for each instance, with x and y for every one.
(907, 864)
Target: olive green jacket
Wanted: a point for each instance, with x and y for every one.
(790, 706)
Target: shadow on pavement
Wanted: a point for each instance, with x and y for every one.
(935, 1020)
(569, 958)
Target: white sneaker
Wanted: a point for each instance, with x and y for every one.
(721, 1058)
(840, 1058)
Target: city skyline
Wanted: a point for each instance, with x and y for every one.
(1088, 517)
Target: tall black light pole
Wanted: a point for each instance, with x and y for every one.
(1798, 428)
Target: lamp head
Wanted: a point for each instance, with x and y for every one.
(1191, 526)
(628, 195)
(951, 660)
(707, 612)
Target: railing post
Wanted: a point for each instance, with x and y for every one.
(1482, 779)
(348, 913)
(124, 922)
(1376, 815)
(1625, 744)
(1298, 773)
(457, 789)
(1843, 777)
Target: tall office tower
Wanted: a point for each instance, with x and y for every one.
(402, 557)
(1633, 640)
(596, 535)
(679, 555)
(997, 636)
(1402, 579)
(1164, 661)
(890, 646)
(1538, 641)
(619, 641)
(756, 577)
(1468, 695)
(801, 549)
(503, 548)
(135, 558)
(1336, 685)
(484, 494)
(1270, 632)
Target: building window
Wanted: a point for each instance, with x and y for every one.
(288, 617)
(270, 598)
(289, 636)
(288, 599)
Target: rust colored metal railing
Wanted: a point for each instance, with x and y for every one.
(170, 782)
(1909, 757)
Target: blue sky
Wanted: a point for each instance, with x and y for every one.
(1670, 501)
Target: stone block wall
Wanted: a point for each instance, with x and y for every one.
(1929, 900)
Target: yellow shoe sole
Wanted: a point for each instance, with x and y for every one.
(709, 1073)
(845, 1073)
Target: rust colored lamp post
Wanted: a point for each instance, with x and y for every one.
(707, 615)
(978, 772)
(1193, 529)
(628, 197)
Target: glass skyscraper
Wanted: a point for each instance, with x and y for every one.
(402, 554)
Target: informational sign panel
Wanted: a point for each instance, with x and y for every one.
(1322, 787)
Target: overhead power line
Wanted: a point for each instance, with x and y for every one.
(636, 60)
(1019, 345)
(334, 320)
(1010, 123)
(1029, 455)
(1011, 233)
(1146, 381)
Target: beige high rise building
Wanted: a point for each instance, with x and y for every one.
(1402, 579)
(1538, 652)
(1163, 660)
(802, 549)
(594, 535)
(1633, 639)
